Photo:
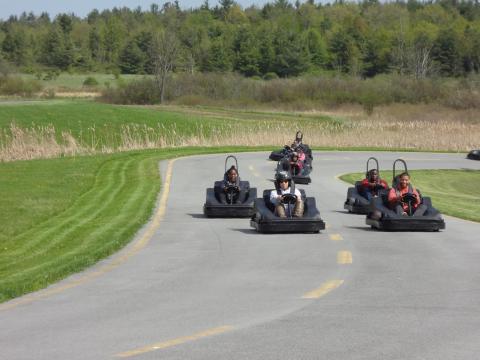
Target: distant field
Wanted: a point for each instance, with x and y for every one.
(453, 192)
(39, 129)
(56, 128)
(74, 82)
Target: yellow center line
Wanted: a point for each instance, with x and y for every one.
(336, 237)
(344, 257)
(252, 169)
(137, 246)
(323, 290)
(174, 342)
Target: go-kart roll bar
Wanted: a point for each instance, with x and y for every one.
(394, 166)
(236, 167)
(376, 162)
(236, 162)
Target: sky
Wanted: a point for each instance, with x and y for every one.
(83, 7)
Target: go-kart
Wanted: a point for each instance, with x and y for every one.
(265, 220)
(474, 155)
(225, 200)
(357, 203)
(382, 217)
(288, 150)
(299, 175)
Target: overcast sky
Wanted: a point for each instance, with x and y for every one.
(83, 7)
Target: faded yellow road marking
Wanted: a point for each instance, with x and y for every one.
(137, 246)
(336, 237)
(252, 169)
(177, 341)
(344, 257)
(323, 290)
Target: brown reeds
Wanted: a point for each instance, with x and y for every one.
(414, 127)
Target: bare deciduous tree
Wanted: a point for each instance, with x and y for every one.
(421, 60)
(165, 51)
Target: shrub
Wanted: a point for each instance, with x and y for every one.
(293, 92)
(14, 85)
(90, 81)
(143, 92)
(270, 76)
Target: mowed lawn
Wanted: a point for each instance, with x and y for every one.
(60, 216)
(453, 192)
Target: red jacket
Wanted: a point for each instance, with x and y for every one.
(395, 196)
(365, 185)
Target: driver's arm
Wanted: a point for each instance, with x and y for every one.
(274, 198)
(298, 194)
(392, 196)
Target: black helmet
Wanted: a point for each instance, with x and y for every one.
(283, 175)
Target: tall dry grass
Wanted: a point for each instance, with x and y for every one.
(414, 127)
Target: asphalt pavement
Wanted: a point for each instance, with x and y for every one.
(189, 287)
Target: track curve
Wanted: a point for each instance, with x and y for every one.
(215, 289)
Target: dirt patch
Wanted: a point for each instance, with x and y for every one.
(77, 94)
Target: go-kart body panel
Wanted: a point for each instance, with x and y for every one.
(277, 155)
(265, 221)
(214, 208)
(431, 220)
(474, 155)
(355, 202)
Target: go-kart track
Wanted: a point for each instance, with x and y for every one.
(190, 287)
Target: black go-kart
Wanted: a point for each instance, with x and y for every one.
(357, 203)
(230, 200)
(382, 217)
(299, 176)
(297, 145)
(474, 155)
(265, 220)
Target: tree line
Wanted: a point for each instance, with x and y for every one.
(279, 39)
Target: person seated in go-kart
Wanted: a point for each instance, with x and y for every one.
(371, 185)
(283, 187)
(296, 165)
(405, 199)
(231, 181)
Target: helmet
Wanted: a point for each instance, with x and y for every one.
(282, 175)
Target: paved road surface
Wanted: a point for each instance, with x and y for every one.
(215, 289)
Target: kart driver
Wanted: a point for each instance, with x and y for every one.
(396, 197)
(282, 187)
(231, 181)
(371, 185)
(296, 164)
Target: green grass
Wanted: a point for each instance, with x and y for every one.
(453, 192)
(101, 125)
(74, 82)
(61, 216)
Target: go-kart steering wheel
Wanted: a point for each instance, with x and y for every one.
(232, 192)
(409, 198)
(289, 199)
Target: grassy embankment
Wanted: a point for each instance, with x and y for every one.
(59, 216)
(453, 192)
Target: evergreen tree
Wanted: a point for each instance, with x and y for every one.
(131, 59)
(14, 47)
(56, 51)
